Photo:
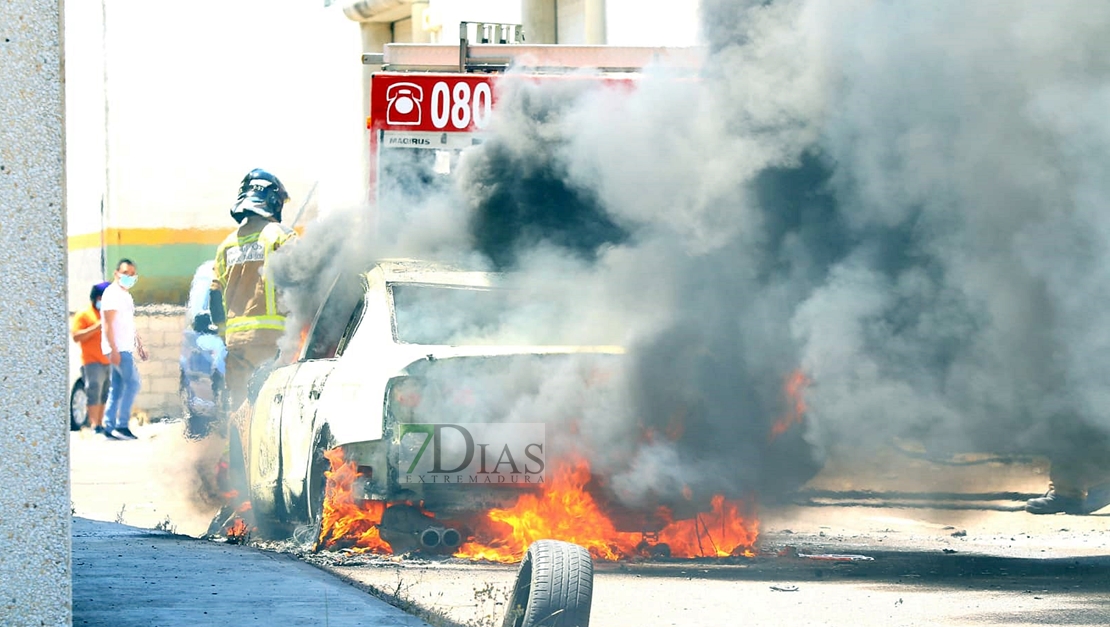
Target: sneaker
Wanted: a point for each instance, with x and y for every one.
(109, 435)
(1055, 503)
(99, 430)
(124, 434)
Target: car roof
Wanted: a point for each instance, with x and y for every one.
(420, 271)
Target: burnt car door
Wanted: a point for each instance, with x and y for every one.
(262, 435)
(333, 326)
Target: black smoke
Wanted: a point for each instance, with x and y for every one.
(518, 189)
(904, 201)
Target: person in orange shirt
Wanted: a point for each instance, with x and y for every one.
(95, 367)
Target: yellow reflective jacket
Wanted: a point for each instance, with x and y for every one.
(250, 301)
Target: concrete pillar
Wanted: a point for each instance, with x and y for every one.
(35, 522)
(540, 23)
(594, 20)
(419, 34)
(375, 35)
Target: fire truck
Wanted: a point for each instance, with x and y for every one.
(431, 102)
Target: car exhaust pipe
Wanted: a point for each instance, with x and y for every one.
(451, 538)
(431, 537)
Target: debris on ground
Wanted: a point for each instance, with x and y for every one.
(959, 534)
(836, 557)
(792, 551)
(785, 588)
(238, 533)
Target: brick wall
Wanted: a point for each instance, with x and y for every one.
(160, 327)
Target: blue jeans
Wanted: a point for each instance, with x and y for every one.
(122, 392)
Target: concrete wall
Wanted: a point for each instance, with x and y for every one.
(35, 523)
(160, 327)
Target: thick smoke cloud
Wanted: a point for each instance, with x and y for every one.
(517, 185)
(904, 201)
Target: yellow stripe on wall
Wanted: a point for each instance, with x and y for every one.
(152, 237)
(148, 237)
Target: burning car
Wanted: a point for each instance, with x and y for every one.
(408, 355)
(384, 350)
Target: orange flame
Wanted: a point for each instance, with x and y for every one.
(237, 532)
(301, 343)
(564, 510)
(354, 525)
(794, 388)
(720, 532)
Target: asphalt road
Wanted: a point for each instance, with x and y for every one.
(948, 545)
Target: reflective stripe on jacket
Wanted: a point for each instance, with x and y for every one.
(249, 298)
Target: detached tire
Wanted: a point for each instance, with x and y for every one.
(554, 587)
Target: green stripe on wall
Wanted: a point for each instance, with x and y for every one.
(165, 270)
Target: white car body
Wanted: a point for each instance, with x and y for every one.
(338, 398)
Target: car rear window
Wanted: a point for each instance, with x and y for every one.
(478, 316)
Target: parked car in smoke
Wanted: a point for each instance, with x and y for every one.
(78, 399)
(203, 358)
(371, 347)
(415, 343)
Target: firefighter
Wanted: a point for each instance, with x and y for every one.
(253, 324)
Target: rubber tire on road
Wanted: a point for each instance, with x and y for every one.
(315, 489)
(77, 396)
(554, 587)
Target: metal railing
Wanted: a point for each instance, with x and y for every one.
(486, 33)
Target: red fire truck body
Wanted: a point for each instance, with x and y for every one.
(438, 99)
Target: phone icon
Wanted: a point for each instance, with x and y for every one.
(404, 104)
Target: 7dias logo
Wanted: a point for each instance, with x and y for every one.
(474, 453)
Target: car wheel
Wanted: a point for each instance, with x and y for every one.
(316, 483)
(554, 587)
(268, 523)
(238, 504)
(78, 406)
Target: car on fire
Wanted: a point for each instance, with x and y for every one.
(419, 343)
(369, 352)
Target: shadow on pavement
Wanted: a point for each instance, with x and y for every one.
(933, 568)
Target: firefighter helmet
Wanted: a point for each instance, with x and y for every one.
(262, 193)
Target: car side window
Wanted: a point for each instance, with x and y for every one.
(352, 325)
(333, 325)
